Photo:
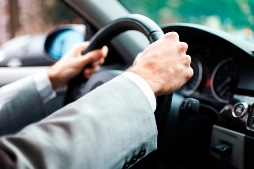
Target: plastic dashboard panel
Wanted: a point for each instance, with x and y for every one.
(241, 51)
(186, 135)
(221, 46)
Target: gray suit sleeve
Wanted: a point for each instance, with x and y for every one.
(20, 105)
(110, 127)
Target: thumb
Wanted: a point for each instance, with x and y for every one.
(91, 57)
(80, 47)
(95, 55)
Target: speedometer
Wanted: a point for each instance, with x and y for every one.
(191, 86)
(224, 80)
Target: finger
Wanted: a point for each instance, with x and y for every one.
(81, 46)
(87, 75)
(88, 72)
(94, 55)
(98, 62)
(91, 57)
(183, 47)
(76, 50)
(190, 73)
(189, 60)
(172, 35)
(104, 51)
(102, 61)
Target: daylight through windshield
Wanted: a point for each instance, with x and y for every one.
(233, 16)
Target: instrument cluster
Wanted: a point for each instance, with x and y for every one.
(215, 74)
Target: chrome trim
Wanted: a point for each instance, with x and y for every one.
(244, 111)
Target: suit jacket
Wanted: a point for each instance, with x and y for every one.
(20, 105)
(111, 127)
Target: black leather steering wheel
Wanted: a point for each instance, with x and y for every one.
(77, 87)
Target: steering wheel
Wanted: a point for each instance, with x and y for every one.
(79, 86)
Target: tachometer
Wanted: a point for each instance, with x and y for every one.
(193, 83)
(224, 80)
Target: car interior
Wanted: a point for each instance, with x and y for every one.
(207, 123)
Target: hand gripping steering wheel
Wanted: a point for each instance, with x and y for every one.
(79, 86)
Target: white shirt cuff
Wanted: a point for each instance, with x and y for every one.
(144, 86)
(43, 86)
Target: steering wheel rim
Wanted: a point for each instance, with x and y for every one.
(131, 22)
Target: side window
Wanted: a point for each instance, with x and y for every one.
(24, 25)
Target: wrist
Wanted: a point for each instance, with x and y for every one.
(52, 78)
(43, 86)
(147, 77)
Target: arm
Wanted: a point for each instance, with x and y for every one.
(22, 102)
(107, 127)
(87, 134)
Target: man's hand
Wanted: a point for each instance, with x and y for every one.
(73, 62)
(164, 64)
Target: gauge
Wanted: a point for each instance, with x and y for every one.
(191, 86)
(224, 80)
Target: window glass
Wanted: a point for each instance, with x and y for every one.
(233, 16)
(24, 25)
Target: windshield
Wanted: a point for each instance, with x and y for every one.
(233, 16)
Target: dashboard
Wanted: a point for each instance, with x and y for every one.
(215, 74)
(223, 83)
(223, 72)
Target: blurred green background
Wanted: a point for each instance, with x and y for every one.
(233, 16)
(20, 17)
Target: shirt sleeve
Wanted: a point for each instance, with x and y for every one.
(44, 86)
(46, 92)
(144, 86)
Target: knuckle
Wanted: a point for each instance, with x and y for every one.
(183, 46)
(190, 73)
(173, 35)
(187, 60)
